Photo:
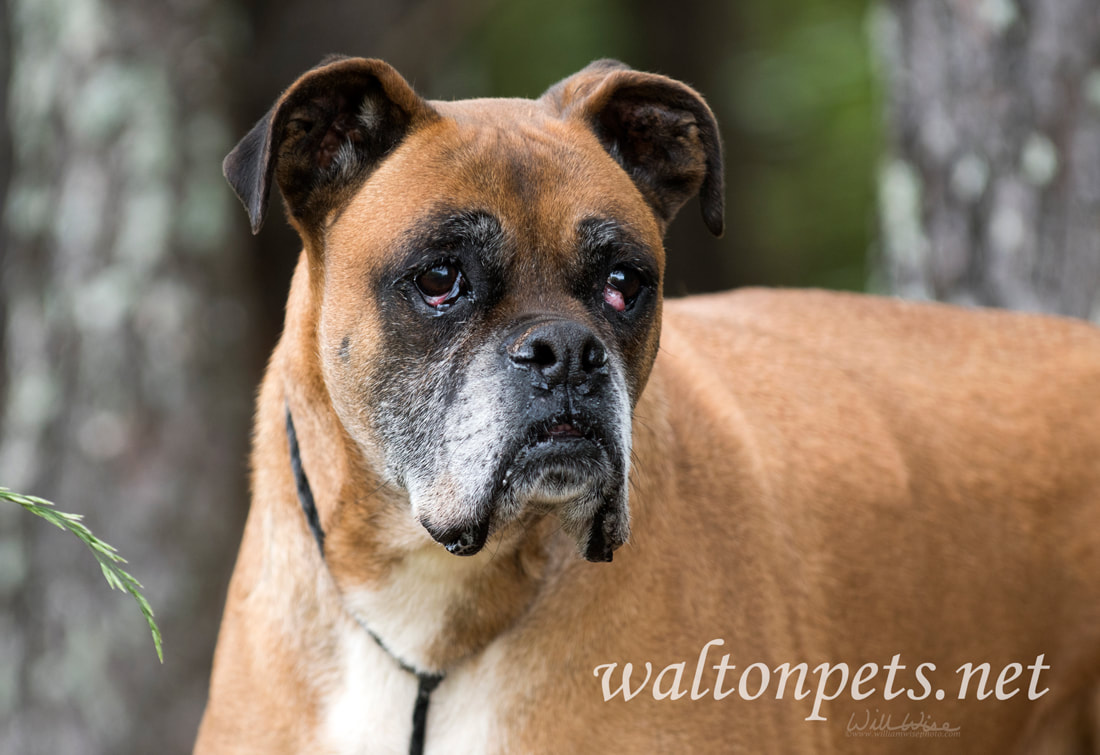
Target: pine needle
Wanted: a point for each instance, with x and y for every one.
(108, 558)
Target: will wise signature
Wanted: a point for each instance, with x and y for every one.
(882, 724)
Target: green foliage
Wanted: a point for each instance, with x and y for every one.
(802, 110)
(582, 33)
(104, 553)
(524, 46)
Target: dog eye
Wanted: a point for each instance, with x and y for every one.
(622, 287)
(441, 284)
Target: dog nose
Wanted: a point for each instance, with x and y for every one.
(559, 352)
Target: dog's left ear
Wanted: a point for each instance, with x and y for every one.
(329, 129)
(659, 130)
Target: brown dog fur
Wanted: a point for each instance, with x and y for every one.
(816, 477)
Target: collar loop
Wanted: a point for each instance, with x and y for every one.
(427, 682)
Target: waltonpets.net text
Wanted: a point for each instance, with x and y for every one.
(826, 681)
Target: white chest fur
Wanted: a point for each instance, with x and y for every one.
(408, 611)
(369, 706)
(368, 709)
(370, 702)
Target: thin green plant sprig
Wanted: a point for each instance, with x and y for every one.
(106, 554)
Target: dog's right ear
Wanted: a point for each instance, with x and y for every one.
(323, 136)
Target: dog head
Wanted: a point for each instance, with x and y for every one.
(487, 279)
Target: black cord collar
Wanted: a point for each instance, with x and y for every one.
(305, 493)
(427, 682)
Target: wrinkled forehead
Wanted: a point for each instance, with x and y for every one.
(541, 179)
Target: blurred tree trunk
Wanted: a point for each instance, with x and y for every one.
(990, 193)
(128, 382)
(5, 167)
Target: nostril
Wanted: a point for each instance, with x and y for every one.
(595, 356)
(543, 354)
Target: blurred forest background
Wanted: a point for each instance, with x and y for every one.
(940, 149)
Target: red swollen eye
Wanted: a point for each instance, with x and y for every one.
(622, 286)
(440, 284)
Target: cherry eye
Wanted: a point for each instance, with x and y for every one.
(622, 286)
(441, 284)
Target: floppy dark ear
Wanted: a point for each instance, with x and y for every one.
(659, 130)
(323, 135)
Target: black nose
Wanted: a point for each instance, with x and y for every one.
(559, 352)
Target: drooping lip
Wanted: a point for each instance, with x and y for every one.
(569, 441)
(591, 457)
(560, 436)
(581, 446)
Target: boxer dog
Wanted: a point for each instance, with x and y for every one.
(506, 500)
